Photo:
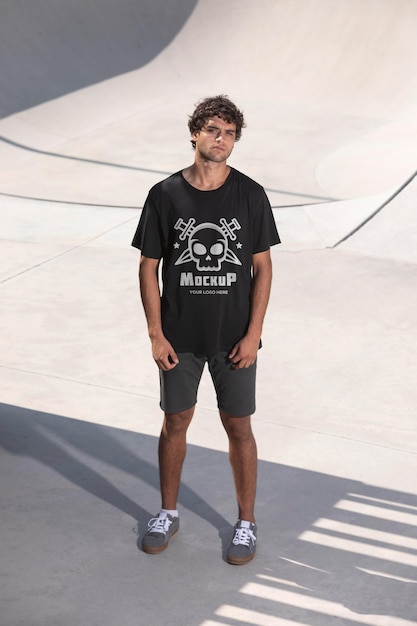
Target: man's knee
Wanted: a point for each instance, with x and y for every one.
(177, 423)
(238, 429)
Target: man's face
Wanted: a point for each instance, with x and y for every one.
(215, 141)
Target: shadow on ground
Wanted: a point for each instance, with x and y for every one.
(330, 549)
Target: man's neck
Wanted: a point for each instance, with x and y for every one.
(205, 175)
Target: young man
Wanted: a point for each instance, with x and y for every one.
(212, 227)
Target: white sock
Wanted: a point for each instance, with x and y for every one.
(171, 512)
(244, 523)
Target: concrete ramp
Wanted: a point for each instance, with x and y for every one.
(49, 49)
(329, 91)
(383, 225)
(391, 232)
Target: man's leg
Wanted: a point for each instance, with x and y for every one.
(178, 388)
(243, 459)
(171, 452)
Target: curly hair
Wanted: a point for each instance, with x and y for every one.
(219, 106)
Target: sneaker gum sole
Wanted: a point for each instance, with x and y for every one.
(234, 560)
(158, 549)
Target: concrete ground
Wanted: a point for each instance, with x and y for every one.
(336, 416)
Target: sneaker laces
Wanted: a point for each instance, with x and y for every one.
(159, 525)
(243, 537)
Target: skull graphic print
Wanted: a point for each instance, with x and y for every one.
(208, 244)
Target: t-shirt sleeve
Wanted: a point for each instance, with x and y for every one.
(147, 236)
(265, 233)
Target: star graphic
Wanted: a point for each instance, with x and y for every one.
(176, 245)
(238, 245)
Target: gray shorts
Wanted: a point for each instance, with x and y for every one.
(235, 389)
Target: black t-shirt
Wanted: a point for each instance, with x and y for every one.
(206, 240)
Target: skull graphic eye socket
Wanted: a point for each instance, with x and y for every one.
(217, 249)
(199, 249)
(208, 247)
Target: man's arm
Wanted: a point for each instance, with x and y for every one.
(162, 351)
(245, 351)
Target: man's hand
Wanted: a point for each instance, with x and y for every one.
(244, 353)
(164, 354)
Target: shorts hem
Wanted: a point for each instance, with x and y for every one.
(237, 413)
(187, 408)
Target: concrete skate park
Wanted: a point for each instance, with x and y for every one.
(94, 104)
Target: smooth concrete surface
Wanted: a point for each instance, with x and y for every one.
(392, 231)
(336, 416)
(329, 90)
(337, 505)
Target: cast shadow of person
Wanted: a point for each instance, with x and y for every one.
(77, 450)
